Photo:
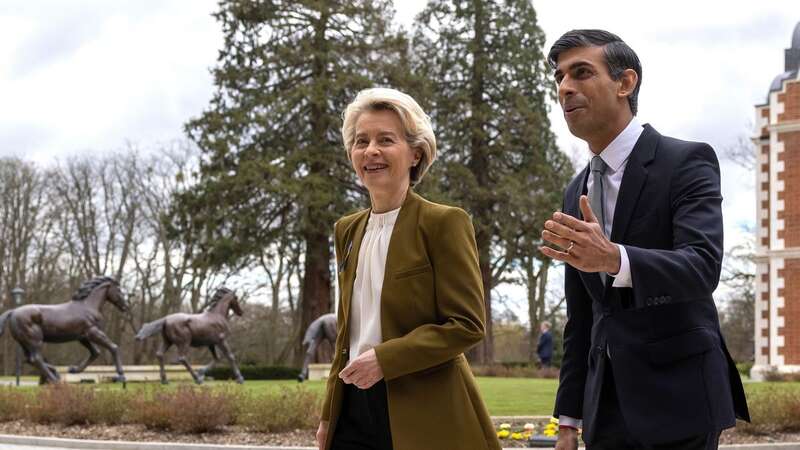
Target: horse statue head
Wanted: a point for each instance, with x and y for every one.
(224, 300)
(113, 292)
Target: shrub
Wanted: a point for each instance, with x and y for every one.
(744, 368)
(110, 407)
(12, 403)
(61, 403)
(772, 374)
(187, 409)
(255, 372)
(773, 409)
(514, 370)
(287, 409)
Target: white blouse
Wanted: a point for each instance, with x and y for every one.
(365, 305)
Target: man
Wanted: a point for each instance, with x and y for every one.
(645, 364)
(544, 348)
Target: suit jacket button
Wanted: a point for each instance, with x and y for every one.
(649, 301)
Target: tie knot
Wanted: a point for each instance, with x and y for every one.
(598, 165)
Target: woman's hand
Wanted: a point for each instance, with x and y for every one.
(322, 433)
(364, 371)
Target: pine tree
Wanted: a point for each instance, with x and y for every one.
(488, 86)
(273, 167)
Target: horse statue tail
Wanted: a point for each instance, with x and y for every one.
(3, 319)
(150, 329)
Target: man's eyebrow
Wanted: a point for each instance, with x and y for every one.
(572, 67)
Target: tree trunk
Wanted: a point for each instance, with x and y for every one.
(316, 299)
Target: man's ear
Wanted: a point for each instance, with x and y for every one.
(627, 82)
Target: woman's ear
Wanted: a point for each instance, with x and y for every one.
(417, 158)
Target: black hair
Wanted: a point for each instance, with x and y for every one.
(619, 56)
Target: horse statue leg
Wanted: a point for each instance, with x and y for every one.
(226, 350)
(37, 360)
(93, 354)
(97, 336)
(183, 350)
(203, 371)
(162, 350)
(310, 355)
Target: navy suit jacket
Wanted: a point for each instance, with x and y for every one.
(673, 374)
(544, 348)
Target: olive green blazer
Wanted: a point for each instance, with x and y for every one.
(431, 312)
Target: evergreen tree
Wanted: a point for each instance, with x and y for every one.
(273, 167)
(488, 84)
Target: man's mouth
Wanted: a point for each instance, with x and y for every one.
(572, 108)
(371, 168)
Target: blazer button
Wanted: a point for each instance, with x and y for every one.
(649, 301)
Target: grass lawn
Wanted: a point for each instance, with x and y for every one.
(503, 396)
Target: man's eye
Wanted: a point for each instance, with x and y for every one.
(583, 73)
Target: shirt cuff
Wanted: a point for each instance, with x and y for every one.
(623, 278)
(570, 422)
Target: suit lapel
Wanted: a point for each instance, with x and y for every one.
(633, 180)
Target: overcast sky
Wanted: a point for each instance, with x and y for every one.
(88, 75)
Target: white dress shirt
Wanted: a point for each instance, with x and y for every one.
(365, 304)
(616, 157)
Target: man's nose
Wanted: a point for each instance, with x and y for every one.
(565, 88)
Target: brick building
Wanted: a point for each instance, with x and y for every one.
(777, 143)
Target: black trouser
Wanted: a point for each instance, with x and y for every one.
(363, 423)
(613, 434)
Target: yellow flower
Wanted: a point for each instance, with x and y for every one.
(505, 426)
(549, 432)
(516, 436)
(554, 420)
(502, 434)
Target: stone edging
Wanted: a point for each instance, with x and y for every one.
(123, 445)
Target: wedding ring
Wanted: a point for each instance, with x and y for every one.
(571, 244)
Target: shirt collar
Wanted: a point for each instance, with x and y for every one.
(621, 147)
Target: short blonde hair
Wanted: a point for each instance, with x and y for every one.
(416, 124)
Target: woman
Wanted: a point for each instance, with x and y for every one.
(411, 298)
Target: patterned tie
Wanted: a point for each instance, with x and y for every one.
(598, 167)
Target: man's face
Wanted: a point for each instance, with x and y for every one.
(588, 95)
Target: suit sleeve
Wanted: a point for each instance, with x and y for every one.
(691, 269)
(337, 356)
(577, 342)
(459, 303)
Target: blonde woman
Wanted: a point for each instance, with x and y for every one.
(411, 297)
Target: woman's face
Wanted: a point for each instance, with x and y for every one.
(380, 154)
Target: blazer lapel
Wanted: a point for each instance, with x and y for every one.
(403, 235)
(353, 247)
(633, 180)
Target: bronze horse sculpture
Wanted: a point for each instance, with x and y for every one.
(207, 329)
(77, 320)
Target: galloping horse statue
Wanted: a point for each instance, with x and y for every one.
(207, 329)
(77, 320)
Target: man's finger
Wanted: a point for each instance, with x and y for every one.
(553, 238)
(560, 256)
(586, 209)
(570, 222)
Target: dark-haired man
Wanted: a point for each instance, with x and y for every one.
(645, 364)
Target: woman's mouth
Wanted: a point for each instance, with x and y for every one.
(372, 168)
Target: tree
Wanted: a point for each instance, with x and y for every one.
(737, 315)
(488, 84)
(272, 166)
